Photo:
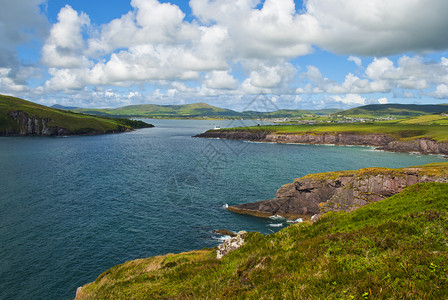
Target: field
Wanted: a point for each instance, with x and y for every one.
(395, 110)
(401, 130)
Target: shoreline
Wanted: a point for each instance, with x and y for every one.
(312, 195)
(308, 197)
(381, 142)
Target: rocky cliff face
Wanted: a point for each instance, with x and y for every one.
(235, 135)
(335, 191)
(383, 141)
(38, 126)
(34, 126)
(335, 139)
(425, 146)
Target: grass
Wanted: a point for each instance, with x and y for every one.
(393, 249)
(398, 130)
(432, 170)
(426, 120)
(75, 122)
(395, 110)
(164, 111)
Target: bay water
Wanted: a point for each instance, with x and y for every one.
(70, 208)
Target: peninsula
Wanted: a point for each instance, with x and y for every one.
(312, 195)
(19, 117)
(424, 134)
(388, 249)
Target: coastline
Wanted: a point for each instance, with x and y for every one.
(311, 196)
(382, 142)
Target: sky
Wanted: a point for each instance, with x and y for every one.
(301, 55)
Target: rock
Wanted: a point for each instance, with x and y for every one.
(34, 126)
(224, 232)
(383, 141)
(315, 194)
(231, 244)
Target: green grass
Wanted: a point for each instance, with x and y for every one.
(394, 110)
(164, 111)
(393, 249)
(75, 122)
(398, 130)
(426, 120)
(198, 110)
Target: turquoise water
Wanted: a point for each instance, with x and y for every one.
(70, 208)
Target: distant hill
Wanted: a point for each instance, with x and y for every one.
(290, 113)
(58, 106)
(21, 117)
(397, 110)
(197, 110)
(164, 111)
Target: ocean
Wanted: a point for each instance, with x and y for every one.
(70, 208)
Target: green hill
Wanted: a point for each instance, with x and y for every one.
(194, 110)
(394, 110)
(392, 249)
(197, 110)
(435, 119)
(21, 117)
(290, 113)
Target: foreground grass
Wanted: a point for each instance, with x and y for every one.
(398, 130)
(75, 122)
(392, 249)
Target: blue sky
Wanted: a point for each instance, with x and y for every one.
(316, 54)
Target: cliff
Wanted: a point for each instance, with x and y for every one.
(315, 194)
(19, 117)
(391, 249)
(32, 126)
(385, 142)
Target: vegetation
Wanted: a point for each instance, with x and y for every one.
(203, 110)
(75, 122)
(197, 110)
(164, 111)
(399, 130)
(435, 119)
(397, 110)
(393, 249)
(431, 170)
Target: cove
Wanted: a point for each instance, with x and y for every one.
(70, 208)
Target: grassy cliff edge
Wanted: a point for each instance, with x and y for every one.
(392, 249)
(21, 117)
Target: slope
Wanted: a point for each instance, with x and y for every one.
(392, 249)
(21, 117)
(396, 110)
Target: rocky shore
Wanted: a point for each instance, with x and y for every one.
(315, 194)
(381, 141)
(38, 126)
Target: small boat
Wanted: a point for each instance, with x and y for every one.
(217, 127)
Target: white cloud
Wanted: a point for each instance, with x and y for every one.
(383, 100)
(351, 99)
(441, 92)
(65, 46)
(8, 84)
(381, 76)
(379, 27)
(221, 80)
(356, 60)
(239, 47)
